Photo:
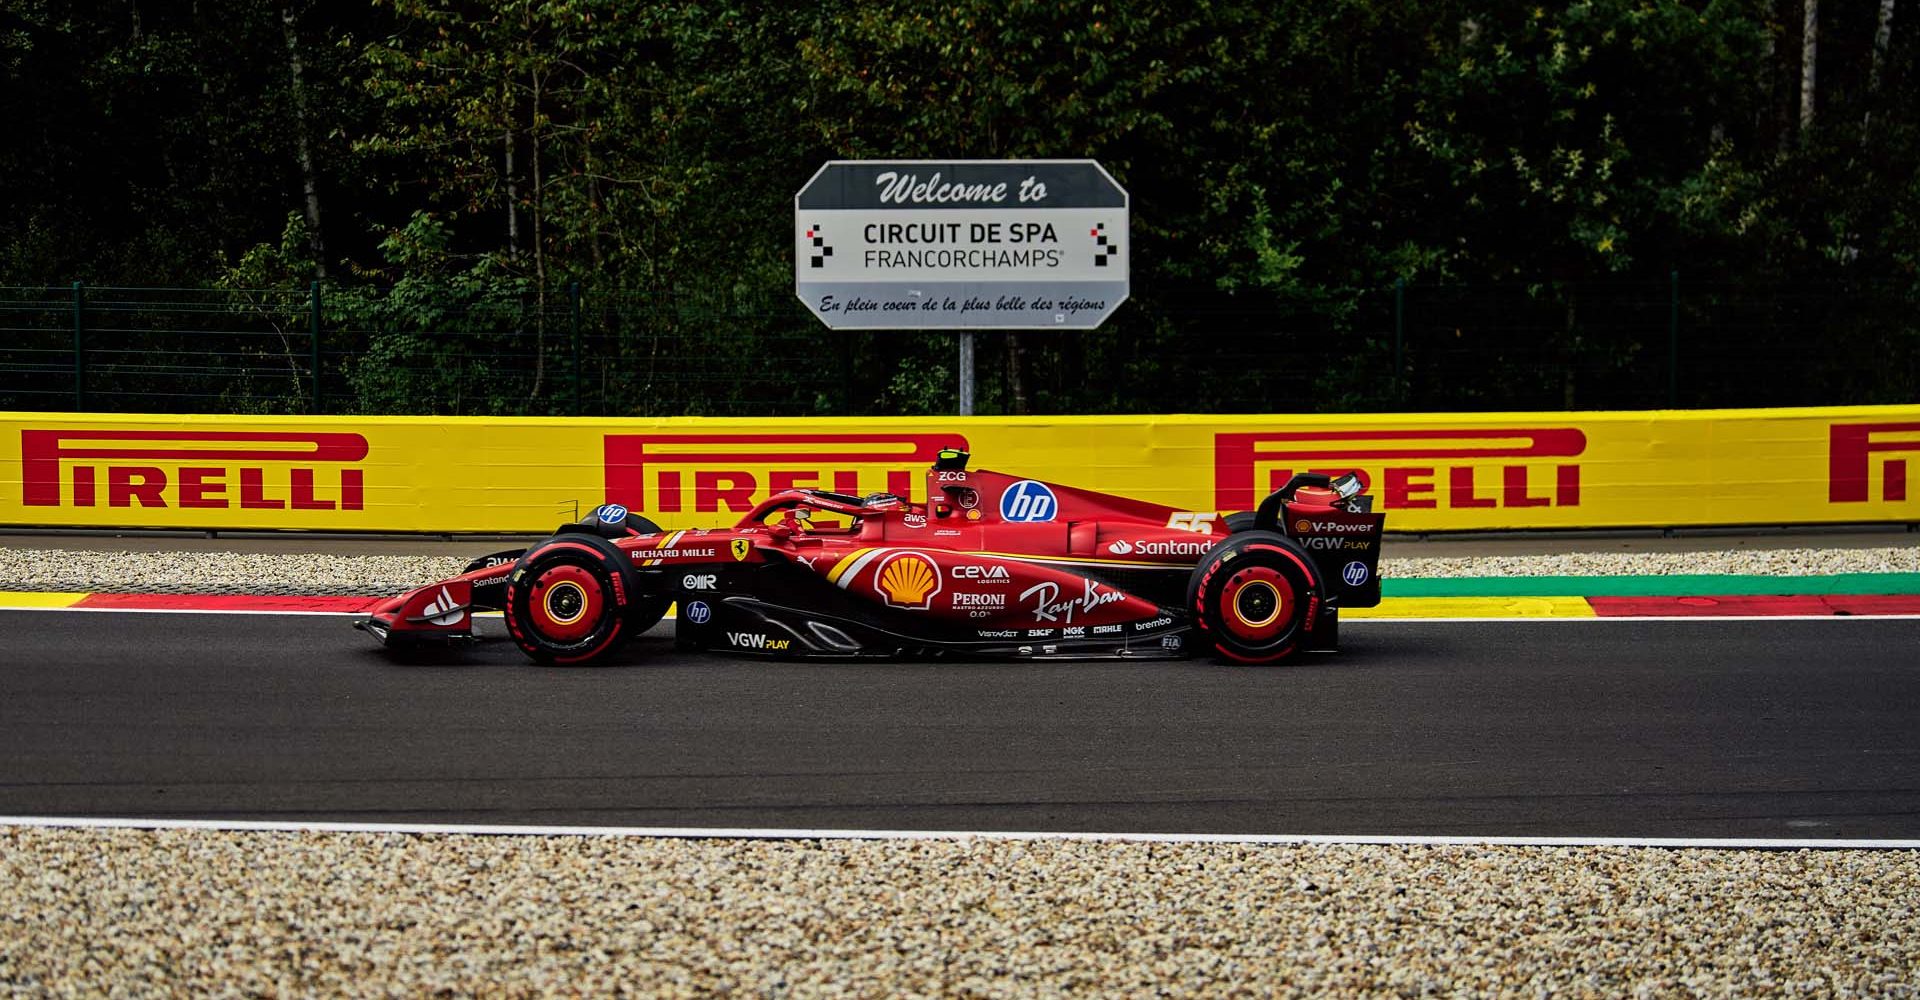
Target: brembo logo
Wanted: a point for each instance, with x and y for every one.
(1850, 458)
(1454, 469)
(252, 470)
(707, 473)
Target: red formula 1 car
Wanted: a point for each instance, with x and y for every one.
(992, 566)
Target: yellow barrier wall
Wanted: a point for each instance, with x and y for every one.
(1432, 472)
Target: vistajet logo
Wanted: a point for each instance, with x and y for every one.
(1452, 469)
(705, 473)
(1850, 457)
(251, 470)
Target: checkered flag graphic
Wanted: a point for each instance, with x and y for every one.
(821, 251)
(1103, 249)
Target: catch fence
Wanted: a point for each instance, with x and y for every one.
(1395, 347)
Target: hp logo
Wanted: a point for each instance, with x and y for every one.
(611, 513)
(1355, 573)
(1028, 501)
(698, 612)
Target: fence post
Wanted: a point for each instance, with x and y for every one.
(1673, 340)
(1400, 337)
(573, 317)
(313, 330)
(79, 349)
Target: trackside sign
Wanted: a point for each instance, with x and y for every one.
(1430, 471)
(961, 244)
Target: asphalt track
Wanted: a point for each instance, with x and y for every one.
(1722, 728)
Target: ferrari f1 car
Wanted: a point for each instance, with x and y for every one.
(991, 566)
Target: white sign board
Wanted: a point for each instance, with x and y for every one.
(961, 244)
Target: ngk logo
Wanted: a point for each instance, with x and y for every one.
(255, 470)
(1850, 461)
(705, 473)
(1454, 469)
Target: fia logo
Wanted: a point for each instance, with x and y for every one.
(1027, 501)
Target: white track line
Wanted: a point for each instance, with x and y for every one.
(755, 833)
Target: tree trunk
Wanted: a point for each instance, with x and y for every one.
(513, 200)
(1809, 55)
(1882, 37)
(593, 208)
(539, 251)
(309, 181)
(1778, 116)
(1016, 378)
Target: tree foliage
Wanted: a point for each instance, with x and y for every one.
(1288, 161)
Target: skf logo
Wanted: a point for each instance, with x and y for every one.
(705, 473)
(907, 580)
(1850, 457)
(252, 470)
(1468, 468)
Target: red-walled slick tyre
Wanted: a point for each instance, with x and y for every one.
(1254, 597)
(569, 600)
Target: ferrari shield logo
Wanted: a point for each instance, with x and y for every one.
(741, 547)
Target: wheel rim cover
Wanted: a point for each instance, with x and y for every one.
(1256, 604)
(565, 603)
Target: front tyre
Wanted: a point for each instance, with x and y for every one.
(571, 600)
(1254, 597)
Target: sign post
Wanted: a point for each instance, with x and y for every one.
(961, 245)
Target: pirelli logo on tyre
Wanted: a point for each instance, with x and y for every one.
(191, 469)
(671, 473)
(1451, 469)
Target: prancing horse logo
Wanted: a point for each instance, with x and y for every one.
(741, 547)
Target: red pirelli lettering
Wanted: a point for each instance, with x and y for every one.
(1851, 449)
(1409, 461)
(664, 473)
(133, 465)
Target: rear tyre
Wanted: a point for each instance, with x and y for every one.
(1254, 596)
(1240, 521)
(571, 600)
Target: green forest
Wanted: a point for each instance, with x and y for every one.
(553, 206)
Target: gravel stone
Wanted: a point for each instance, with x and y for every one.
(197, 912)
(192, 572)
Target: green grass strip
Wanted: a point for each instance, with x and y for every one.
(1650, 586)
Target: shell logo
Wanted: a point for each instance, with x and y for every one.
(1303, 527)
(907, 580)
